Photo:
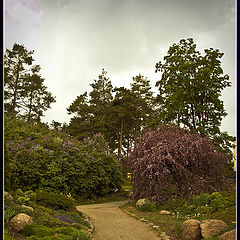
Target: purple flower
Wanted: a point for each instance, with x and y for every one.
(65, 219)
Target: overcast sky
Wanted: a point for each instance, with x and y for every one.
(74, 39)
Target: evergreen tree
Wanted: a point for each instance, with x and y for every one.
(24, 92)
(141, 89)
(17, 64)
(100, 101)
(81, 123)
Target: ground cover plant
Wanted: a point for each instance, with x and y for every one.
(49, 223)
(218, 205)
(172, 162)
(40, 159)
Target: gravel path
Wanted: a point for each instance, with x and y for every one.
(111, 223)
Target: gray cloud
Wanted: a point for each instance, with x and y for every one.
(74, 39)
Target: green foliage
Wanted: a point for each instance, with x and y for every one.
(8, 235)
(41, 217)
(190, 89)
(24, 197)
(16, 209)
(147, 207)
(37, 230)
(54, 237)
(178, 228)
(201, 199)
(171, 204)
(44, 232)
(24, 92)
(40, 158)
(74, 233)
(218, 201)
(54, 200)
(9, 214)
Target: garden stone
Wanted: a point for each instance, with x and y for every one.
(231, 235)
(210, 228)
(191, 230)
(27, 207)
(165, 212)
(20, 221)
(8, 195)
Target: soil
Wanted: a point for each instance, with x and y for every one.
(111, 223)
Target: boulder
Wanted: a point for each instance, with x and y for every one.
(20, 221)
(165, 212)
(191, 230)
(8, 195)
(231, 235)
(210, 228)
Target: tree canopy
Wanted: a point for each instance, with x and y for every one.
(24, 91)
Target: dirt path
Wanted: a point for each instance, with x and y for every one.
(111, 223)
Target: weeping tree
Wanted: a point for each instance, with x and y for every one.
(171, 162)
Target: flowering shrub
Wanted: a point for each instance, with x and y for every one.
(39, 158)
(173, 163)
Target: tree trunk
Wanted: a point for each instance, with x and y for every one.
(15, 90)
(193, 117)
(120, 141)
(30, 109)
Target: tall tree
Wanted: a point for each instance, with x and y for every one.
(81, 123)
(17, 64)
(190, 88)
(100, 101)
(24, 90)
(37, 99)
(141, 89)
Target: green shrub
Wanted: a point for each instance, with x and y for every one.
(74, 233)
(201, 200)
(184, 209)
(9, 214)
(172, 204)
(39, 158)
(218, 201)
(147, 207)
(18, 209)
(203, 209)
(37, 230)
(54, 200)
(27, 197)
(43, 218)
(178, 228)
(8, 235)
(54, 237)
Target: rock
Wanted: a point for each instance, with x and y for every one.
(130, 194)
(231, 235)
(191, 230)
(20, 221)
(27, 207)
(210, 228)
(165, 212)
(8, 195)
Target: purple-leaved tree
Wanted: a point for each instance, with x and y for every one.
(171, 162)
